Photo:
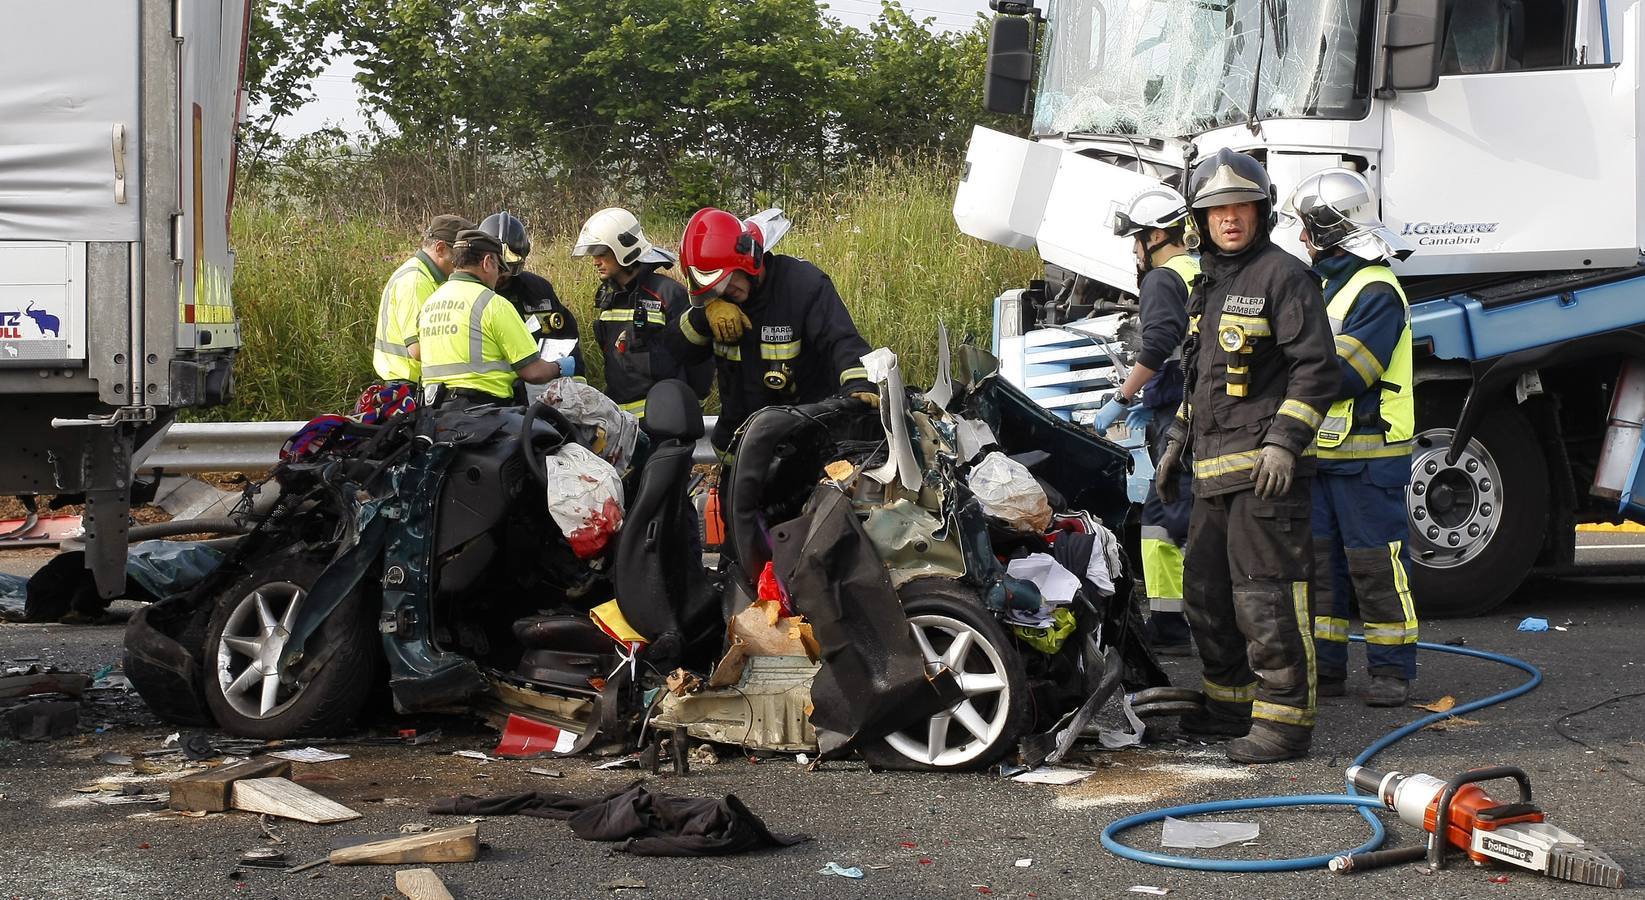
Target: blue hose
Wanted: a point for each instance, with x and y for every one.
(1363, 804)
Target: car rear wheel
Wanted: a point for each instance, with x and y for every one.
(248, 688)
(956, 633)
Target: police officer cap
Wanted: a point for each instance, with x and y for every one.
(475, 239)
(446, 227)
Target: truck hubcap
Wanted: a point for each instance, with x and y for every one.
(1453, 508)
(968, 729)
(248, 653)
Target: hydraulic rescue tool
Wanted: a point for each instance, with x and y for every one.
(1459, 813)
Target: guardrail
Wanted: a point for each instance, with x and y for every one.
(254, 447)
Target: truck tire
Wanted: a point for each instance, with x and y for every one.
(1477, 526)
(943, 612)
(246, 691)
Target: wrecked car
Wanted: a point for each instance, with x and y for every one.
(428, 554)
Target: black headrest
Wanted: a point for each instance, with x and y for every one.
(673, 412)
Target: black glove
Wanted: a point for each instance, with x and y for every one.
(1167, 470)
(1273, 472)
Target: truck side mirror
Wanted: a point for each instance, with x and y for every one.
(1009, 72)
(1413, 40)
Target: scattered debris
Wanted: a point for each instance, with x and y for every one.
(621, 762)
(472, 754)
(44, 720)
(415, 828)
(1024, 863)
(704, 755)
(1182, 833)
(1052, 775)
(309, 755)
(681, 682)
(834, 868)
(1533, 623)
(211, 790)
(123, 798)
(114, 759)
(1499, 879)
(1147, 889)
(1443, 704)
(546, 773)
(420, 884)
(525, 737)
(281, 797)
(802, 759)
(34, 681)
(459, 844)
(623, 884)
(1454, 723)
(264, 858)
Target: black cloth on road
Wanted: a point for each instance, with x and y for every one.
(647, 822)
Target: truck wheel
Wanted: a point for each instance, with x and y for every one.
(248, 692)
(1476, 526)
(956, 632)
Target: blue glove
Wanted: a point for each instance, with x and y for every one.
(568, 366)
(1111, 412)
(1138, 418)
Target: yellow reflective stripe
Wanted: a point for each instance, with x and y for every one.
(1299, 597)
(1402, 586)
(1161, 568)
(1364, 446)
(1285, 715)
(729, 351)
(690, 331)
(1389, 633)
(1184, 411)
(1227, 464)
(1302, 412)
(627, 315)
(1360, 357)
(637, 407)
(1253, 326)
(855, 373)
(1330, 628)
(789, 350)
(1244, 693)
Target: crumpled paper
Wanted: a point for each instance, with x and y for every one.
(1182, 833)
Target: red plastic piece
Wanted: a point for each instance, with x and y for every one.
(529, 737)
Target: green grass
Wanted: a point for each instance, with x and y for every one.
(306, 286)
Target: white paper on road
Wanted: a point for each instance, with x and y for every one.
(309, 755)
(1052, 775)
(1182, 833)
(1114, 739)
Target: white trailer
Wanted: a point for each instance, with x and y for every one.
(117, 143)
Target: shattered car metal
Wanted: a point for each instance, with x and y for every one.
(417, 546)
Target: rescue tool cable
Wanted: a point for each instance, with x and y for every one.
(1351, 798)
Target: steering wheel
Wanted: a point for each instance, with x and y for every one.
(530, 453)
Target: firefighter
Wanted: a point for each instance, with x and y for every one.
(473, 344)
(1260, 373)
(551, 324)
(1364, 445)
(636, 304)
(1157, 219)
(775, 325)
(394, 353)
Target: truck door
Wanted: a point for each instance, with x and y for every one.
(1520, 159)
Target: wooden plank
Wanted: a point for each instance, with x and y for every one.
(421, 884)
(280, 797)
(460, 844)
(210, 791)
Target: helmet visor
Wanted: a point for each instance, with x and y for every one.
(707, 283)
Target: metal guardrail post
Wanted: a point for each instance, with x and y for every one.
(254, 447)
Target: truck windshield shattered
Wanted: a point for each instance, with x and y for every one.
(1174, 68)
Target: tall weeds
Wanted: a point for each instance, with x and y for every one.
(309, 275)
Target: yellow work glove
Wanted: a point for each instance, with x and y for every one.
(726, 321)
(868, 397)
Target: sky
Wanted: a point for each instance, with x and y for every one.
(337, 100)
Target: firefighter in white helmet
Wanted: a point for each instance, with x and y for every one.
(635, 306)
(1363, 447)
(1157, 220)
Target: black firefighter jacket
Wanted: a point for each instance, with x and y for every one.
(802, 348)
(1261, 321)
(631, 326)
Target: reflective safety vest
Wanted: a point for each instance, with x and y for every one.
(1398, 409)
(403, 296)
(1186, 266)
(471, 338)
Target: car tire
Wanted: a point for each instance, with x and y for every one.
(1499, 487)
(335, 683)
(997, 705)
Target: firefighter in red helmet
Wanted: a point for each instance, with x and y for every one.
(774, 325)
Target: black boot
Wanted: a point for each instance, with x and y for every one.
(1264, 746)
(1168, 634)
(1209, 727)
(1387, 690)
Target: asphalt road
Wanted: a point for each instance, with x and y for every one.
(913, 835)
